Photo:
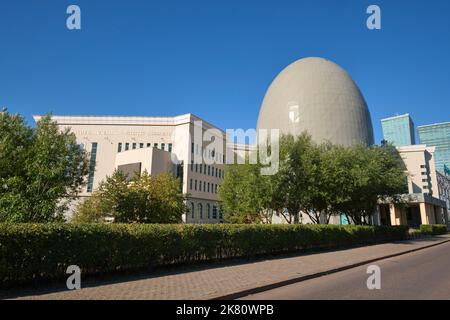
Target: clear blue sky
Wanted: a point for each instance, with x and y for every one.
(216, 58)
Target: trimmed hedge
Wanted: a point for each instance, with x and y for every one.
(433, 229)
(44, 251)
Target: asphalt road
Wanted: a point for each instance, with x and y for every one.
(423, 274)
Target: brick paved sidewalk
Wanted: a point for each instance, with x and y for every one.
(216, 282)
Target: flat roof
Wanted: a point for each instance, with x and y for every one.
(415, 148)
(396, 117)
(125, 120)
(433, 125)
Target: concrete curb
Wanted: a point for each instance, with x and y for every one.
(243, 293)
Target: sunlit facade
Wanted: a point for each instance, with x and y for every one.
(399, 130)
(156, 145)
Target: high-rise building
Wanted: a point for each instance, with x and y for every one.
(437, 135)
(399, 130)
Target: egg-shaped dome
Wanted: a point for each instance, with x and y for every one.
(317, 96)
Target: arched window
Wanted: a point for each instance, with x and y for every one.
(208, 210)
(200, 210)
(192, 210)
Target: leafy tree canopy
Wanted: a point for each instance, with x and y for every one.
(318, 180)
(142, 199)
(41, 169)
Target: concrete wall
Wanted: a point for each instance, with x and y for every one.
(419, 162)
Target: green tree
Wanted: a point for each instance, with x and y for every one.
(90, 211)
(42, 169)
(142, 199)
(377, 173)
(318, 180)
(243, 193)
(249, 197)
(296, 175)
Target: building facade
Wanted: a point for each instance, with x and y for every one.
(190, 148)
(424, 202)
(399, 130)
(437, 135)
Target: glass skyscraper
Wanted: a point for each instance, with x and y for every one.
(437, 135)
(399, 130)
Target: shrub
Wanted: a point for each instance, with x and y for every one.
(43, 251)
(433, 229)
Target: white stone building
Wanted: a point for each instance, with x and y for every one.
(423, 203)
(192, 149)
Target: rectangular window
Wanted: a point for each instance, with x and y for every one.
(119, 147)
(134, 145)
(170, 147)
(141, 145)
(92, 161)
(192, 147)
(200, 168)
(149, 145)
(127, 146)
(214, 212)
(209, 170)
(196, 167)
(192, 165)
(204, 186)
(190, 185)
(155, 145)
(195, 185)
(163, 146)
(200, 186)
(208, 186)
(216, 172)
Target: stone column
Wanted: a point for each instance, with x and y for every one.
(394, 219)
(424, 213)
